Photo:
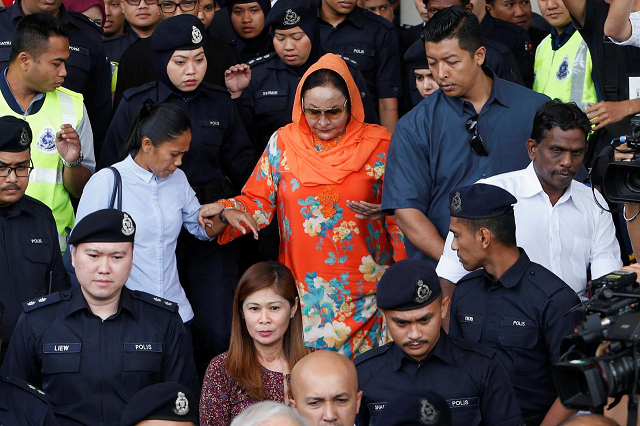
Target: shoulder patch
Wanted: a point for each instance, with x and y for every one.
(155, 300)
(129, 93)
(372, 353)
(473, 347)
(260, 59)
(350, 62)
(19, 383)
(50, 299)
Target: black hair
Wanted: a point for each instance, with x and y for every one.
(159, 122)
(33, 32)
(502, 227)
(454, 22)
(554, 113)
(326, 77)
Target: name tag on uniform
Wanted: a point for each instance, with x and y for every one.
(270, 93)
(209, 122)
(143, 347)
(376, 407)
(360, 51)
(61, 348)
(78, 49)
(463, 402)
(519, 322)
(470, 319)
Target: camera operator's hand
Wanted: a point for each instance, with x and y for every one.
(605, 113)
(619, 153)
(634, 267)
(603, 348)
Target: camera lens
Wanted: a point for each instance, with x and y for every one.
(632, 181)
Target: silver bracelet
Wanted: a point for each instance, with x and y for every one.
(73, 163)
(624, 214)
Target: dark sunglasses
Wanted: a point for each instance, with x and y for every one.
(329, 113)
(476, 142)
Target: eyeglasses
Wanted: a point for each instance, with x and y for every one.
(185, 6)
(476, 142)
(21, 171)
(137, 3)
(329, 113)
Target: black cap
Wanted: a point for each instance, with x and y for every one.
(407, 285)
(15, 134)
(104, 226)
(416, 407)
(182, 32)
(162, 401)
(480, 201)
(416, 56)
(287, 14)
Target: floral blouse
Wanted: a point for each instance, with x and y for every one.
(335, 258)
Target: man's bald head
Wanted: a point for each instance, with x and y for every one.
(324, 386)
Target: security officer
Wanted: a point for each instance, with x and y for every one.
(87, 67)
(92, 348)
(62, 151)
(219, 161)
(170, 402)
(30, 259)
(469, 376)
(372, 42)
(22, 403)
(416, 407)
(513, 305)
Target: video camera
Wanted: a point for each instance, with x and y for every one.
(586, 381)
(622, 178)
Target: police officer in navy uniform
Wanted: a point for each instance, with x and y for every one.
(416, 407)
(30, 260)
(517, 307)
(220, 159)
(469, 376)
(92, 348)
(88, 70)
(170, 402)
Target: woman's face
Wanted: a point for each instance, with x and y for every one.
(95, 14)
(186, 69)
(293, 46)
(323, 98)
(163, 160)
(267, 315)
(247, 19)
(206, 12)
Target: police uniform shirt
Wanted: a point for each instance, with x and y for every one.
(88, 70)
(91, 367)
(222, 30)
(516, 39)
(22, 404)
(219, 141)
(115, 47)
(470, 377)
(430, 154)
(267, 103)
(521, 316)
(30, 260)
(371, 41)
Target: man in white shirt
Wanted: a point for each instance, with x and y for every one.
(558, 222)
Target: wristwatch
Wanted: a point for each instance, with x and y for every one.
(222, 218)
(73, 163)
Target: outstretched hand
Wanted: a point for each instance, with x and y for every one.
(366, 211)
(237, 78)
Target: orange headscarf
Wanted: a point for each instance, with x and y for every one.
(331, 167)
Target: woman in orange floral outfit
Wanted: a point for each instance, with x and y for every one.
(337, 250)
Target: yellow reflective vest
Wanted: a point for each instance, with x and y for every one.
(62, 106)
(565, 73)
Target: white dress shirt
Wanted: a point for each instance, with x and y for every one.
(564, 238)
(634, 40)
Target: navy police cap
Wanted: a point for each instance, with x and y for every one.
(480, 201)
(15, 134)
(416, 407)
(287, 14)
(104, 226)
(163, 401)
(407, 285)
(182, 32)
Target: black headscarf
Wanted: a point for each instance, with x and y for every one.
(261, 43)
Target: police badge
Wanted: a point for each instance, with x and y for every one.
(24, 137)
(563, 71)
(127, 226)
(456, 203)
(182, 405)
(428, 413)
(290, 18)
(47, 140)
(423, 292)
(196, 35)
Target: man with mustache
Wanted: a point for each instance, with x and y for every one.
(422, 357)
(512, 304)
(30, 259)
(558, 222)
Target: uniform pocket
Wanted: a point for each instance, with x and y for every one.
(79, 57)
(518, 335)
(213, 131)
(365, 58)
(465, 411)
(471, 326)
(61, 358)
(143, 356)
(37, 250)
(270, 100)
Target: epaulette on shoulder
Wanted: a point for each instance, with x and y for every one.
(350, 62)
(260, 59)
(372, 353)
(217, 88)
(155, 300)
(473, 347)
(379, 19)
(28, 387)
(50, 299)
(135, 90)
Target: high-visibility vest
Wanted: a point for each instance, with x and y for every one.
(565, 73)
(62, 106)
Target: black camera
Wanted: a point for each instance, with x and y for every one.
(622, 178)
(586, 381)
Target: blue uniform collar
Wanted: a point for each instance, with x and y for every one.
(559, 40)
(513, 275)
(442, 350)
(16, 208)
(7, 94)
(498, 94)
(354, 17)
(78, 303)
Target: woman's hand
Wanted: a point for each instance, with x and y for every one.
(624, 155)
(237, 218)
(366, 211)
(207, 212)
(237, 78)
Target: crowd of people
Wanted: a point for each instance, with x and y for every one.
(300, 212)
